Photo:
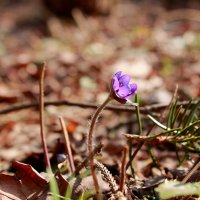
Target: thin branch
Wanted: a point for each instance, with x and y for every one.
(46, 157)
(69, 152)
(144, 110)
(194, 169)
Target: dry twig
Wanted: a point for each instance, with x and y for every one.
(47, 162)
(144, 110)
(69, 152)
(194, 169)
(123, 169)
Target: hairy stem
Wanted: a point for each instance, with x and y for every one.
(90, 145)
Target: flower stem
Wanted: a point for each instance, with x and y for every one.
(90, 144)
(140, 132)
(138, 115)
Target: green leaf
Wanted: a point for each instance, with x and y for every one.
(157, 122)
(191, 114)
(171, 189)
(54, 188)
(86, 195)
(183, 116)
(171, 114)
(68, 193)
(176, 114)
(189, 128)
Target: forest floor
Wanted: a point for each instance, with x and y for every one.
(159, 49)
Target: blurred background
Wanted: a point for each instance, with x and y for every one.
(84, 43)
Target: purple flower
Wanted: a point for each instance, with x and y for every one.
(122, 90)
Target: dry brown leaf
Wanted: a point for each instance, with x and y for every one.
(26, 184)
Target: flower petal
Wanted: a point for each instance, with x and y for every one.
(115, 83)
(130, 95)
(124, 80)
(133, 87)
(123, 91)
(132, 90)
(118, 74)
